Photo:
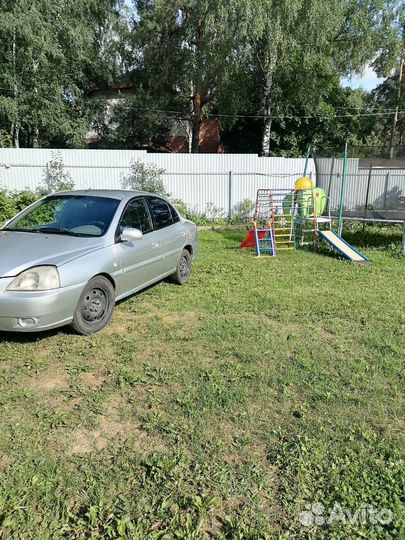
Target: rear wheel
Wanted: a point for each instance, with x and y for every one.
(183, 269)
(95, 306)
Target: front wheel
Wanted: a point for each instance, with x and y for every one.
(183, 269)
(95, 306)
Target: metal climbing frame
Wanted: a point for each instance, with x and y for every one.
(263, 222)
(282, 220)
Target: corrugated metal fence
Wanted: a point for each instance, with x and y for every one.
(220, 180)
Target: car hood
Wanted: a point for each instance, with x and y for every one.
(19, 250)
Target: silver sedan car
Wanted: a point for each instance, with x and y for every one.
(67, 258)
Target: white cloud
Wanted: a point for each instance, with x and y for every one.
(368, 80)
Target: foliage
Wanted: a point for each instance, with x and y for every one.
(12, 203)
(145, 177)
(180, 205)
(52, 51)
(191, 50)
(6, 140)
(7, 206)
(270, 69)
(243, 211)
(56, 178)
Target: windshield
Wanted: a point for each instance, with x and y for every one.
(78, 215)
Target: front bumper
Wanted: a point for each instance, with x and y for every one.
(35, 311)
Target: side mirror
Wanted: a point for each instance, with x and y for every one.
(130, 235)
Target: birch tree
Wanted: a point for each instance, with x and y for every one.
(51, 51)
(301, 41)
(194, 48)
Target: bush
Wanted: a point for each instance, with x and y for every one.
(55, 177)
(7, 206)
(181, 206)
(24, 199)
(12, 203)
(145, 177)
(243, 211)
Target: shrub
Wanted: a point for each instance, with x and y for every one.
(145, 177)
(181, 206)
(243, 211)
(12, 203)
(7, 206)
(213, 212)
(24, 199)
(56, 178)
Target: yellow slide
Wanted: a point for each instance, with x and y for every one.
(343, 247)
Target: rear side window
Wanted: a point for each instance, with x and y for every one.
(163, 213)
(136, 215)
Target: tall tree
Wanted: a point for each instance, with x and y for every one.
(192, 48)
(301, 41)
(51, 51)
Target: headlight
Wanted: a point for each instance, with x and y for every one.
(39, 278)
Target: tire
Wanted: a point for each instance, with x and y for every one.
(183, 269)
(95, 306)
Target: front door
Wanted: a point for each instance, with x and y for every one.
(172, 232)
(141, 260)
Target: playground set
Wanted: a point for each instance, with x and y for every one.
(284, 220)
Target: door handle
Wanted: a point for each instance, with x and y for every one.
(155, 244)
(181, 235)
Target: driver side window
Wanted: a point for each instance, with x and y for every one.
(136, 215)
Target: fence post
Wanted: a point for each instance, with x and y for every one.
(230, 195)
(368, 189)
(332, 169)
(387, 179)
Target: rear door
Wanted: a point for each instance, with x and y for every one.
(167, 221)
(141, 260)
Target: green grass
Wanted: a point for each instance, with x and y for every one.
(221, 409)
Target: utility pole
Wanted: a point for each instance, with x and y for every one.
(396, 114)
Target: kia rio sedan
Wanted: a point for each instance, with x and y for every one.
(67, 258)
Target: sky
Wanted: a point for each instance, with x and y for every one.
(368, 80)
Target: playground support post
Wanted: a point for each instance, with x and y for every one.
(403, 239)
(342, 192)
(306, 160)
(370, 171)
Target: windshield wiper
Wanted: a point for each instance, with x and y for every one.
(17, 229)
(45, 230)
(55, 230)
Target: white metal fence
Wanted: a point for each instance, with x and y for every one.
(374, 193)
(222, 180)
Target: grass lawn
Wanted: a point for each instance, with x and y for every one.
(222, 409)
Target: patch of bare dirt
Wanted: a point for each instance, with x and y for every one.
(113, 428)
(92, 380)
(119, 324)
(51, 379)
(110, 431)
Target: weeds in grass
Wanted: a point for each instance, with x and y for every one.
(223, 409)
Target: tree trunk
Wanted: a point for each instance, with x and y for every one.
(35, 137)
(396, 114)
(16, 136)
(268, 115)
(196, 121)
(16, 124)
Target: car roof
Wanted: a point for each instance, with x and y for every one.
(110, 193)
